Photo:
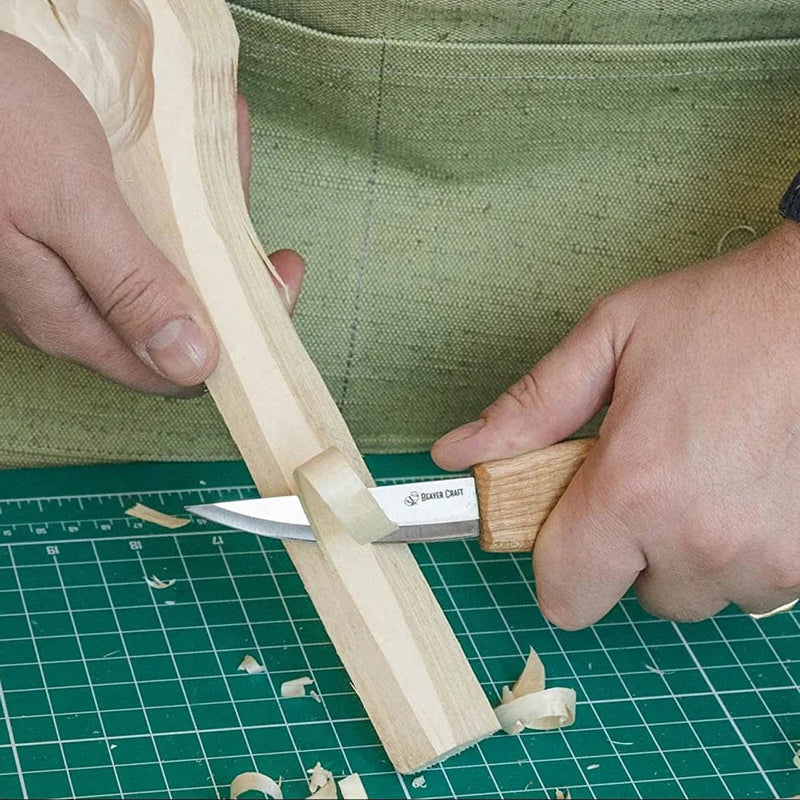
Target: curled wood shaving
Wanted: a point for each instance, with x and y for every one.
(251, 666)
(796, 759)
(255, 782)
(418, 782)
(148, 514)
(319, 777)
(530, 705)
(295, 687)
(532, 678)
(541, 711)
(352, 788)
(778, 610)
(154, 582)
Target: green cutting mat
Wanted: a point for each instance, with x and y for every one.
(110, 689)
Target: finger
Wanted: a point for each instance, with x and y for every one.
(562, 392)
(291, 268)
(137, 290)
(245, 144)
(584, 559)
(671, 591)
(46, 308)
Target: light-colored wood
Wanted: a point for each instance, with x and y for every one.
(402, 670)
(516, 495)
(171, 64)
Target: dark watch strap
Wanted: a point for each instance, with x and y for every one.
(790, 205)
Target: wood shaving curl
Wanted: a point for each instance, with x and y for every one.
(256, 782)
(530, 705)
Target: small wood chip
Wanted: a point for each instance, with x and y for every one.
(319, 777)
(295, 687)
(156, 517)
(315, 695)
(563, 794)
(778, 610)
(532, 678)
(796, 759)
(326, 792)
(255, 782)
(592, 766)
(154, 582)
(418, 782)
(251, 666)
(352, 788)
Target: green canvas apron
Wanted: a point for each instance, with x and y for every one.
(463, 178)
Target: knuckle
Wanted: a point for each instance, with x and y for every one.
(783, 571)
(524, 395)
(712, 546)
(672, 609)
(605, 306)
(627, 486)
(134, 300)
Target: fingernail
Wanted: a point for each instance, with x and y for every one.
(179, 351)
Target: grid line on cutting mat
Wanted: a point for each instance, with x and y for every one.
(109, 687)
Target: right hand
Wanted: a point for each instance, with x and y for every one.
(79, 278)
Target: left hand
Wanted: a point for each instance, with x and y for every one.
(692, 493)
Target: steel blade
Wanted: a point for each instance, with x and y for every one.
(426, 511)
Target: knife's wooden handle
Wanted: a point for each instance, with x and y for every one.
(515, 495)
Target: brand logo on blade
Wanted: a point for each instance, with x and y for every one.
(412, 499)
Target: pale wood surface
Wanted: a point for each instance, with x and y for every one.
(179, 171)
(405, 665)
(516, 495)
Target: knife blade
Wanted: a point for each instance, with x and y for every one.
(430, 511)
(503, 504)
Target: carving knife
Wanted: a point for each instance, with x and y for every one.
(503, 504)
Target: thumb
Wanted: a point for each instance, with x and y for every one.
(562, 392)
(141, 295)
(291, 269)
